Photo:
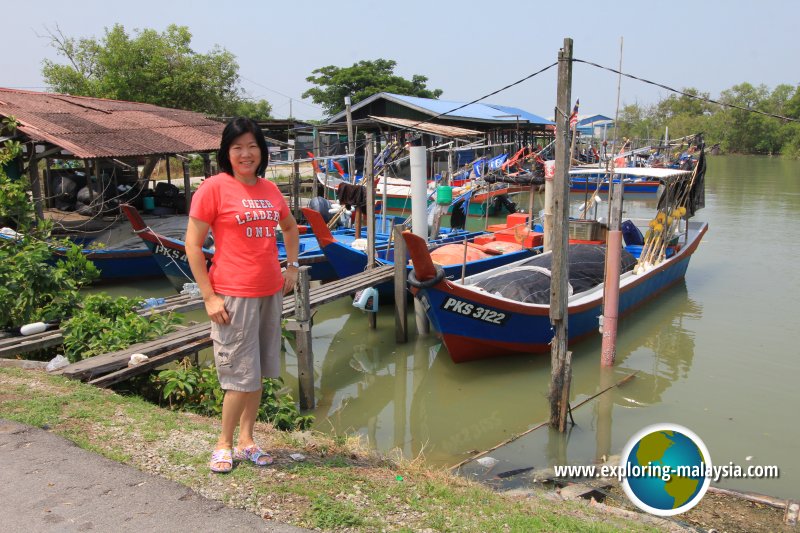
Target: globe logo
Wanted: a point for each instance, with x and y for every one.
(665, 468)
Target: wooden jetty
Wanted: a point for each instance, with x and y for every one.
(14, 346)
(105, 370)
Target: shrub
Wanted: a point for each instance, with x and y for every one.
(196, 389)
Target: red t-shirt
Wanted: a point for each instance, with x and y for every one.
(243, 219)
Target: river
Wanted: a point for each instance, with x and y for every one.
(715, 353)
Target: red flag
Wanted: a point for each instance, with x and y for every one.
(573, 118)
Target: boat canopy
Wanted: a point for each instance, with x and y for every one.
(663, 174)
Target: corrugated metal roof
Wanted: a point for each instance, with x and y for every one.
(475, 112)
(427, 127)
(594, 118)
(523, 115)
(95, 127)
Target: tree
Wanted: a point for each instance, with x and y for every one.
(150, 67)
(360, 81)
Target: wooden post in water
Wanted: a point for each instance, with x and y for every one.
(560, 357)
(369, 183)
(400, 281)
(187, 184)
(305, 355)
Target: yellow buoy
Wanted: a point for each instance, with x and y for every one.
(661, 217)
(658, 228)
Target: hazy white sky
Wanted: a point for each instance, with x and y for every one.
(466, 48)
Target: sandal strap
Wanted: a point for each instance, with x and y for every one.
(222, 456)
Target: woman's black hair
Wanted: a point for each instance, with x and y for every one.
(234, 129)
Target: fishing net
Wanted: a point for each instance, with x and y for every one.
(529, 282)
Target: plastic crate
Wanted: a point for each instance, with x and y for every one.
(583, 230)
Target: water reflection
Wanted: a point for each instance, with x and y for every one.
(412, 397)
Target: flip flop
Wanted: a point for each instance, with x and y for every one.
(254, 454)
(221, 456)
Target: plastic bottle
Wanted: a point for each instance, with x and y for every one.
(33, 328)
(153, 302)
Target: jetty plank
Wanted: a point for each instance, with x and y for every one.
(13, 346)
(157, 360)
(197, 337)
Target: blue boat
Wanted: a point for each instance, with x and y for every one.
(117, 256)
(347, 261)
(507, 310)
(170, 253)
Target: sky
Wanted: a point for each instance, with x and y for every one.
(466, 48)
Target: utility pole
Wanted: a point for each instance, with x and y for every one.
(560, 357)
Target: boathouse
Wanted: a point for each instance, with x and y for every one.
(106, 149)
(431, 122)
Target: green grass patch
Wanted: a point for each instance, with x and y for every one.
(330, 514)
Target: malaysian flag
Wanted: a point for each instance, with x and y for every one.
(573, 118)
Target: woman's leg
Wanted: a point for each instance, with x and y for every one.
(247, 420)
(233, 405)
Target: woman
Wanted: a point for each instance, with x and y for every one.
(243, 291)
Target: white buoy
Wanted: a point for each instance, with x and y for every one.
(33, 328)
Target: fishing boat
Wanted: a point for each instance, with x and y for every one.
(457, 252)
(506, 310)
(589, 179)
(117, 255)
(170, 253)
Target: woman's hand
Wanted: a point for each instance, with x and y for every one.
(289, 280)
(215, 307)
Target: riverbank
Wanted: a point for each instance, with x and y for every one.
(339, 485)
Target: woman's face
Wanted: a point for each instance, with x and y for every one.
(245, 155)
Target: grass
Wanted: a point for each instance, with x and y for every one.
(339, 486)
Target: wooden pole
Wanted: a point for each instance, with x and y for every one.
(36, 186)
(315, 183)
(48, 190)
(560, 357)
(305, 355)
(400, 281)
(99, 184)
(206, 165)
(369, 183)
(187, 185)
(351, 142)
(169, 175)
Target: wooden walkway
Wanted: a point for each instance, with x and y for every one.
(13, 346)
(107, 369)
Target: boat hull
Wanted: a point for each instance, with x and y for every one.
(475, 325)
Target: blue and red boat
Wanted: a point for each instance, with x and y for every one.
(507, 310)
(481, 249)
(170, 253)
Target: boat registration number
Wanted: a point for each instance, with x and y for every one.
(170, 252)
(476, 312)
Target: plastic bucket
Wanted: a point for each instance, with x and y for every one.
(149, 203)
(444, 195)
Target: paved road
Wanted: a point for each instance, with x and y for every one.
(47, 483)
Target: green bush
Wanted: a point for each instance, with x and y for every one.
(103, 324)
(196, 389)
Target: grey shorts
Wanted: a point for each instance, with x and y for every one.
(249, 347)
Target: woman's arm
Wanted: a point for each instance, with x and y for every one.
(291, 239)
(196, 232)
